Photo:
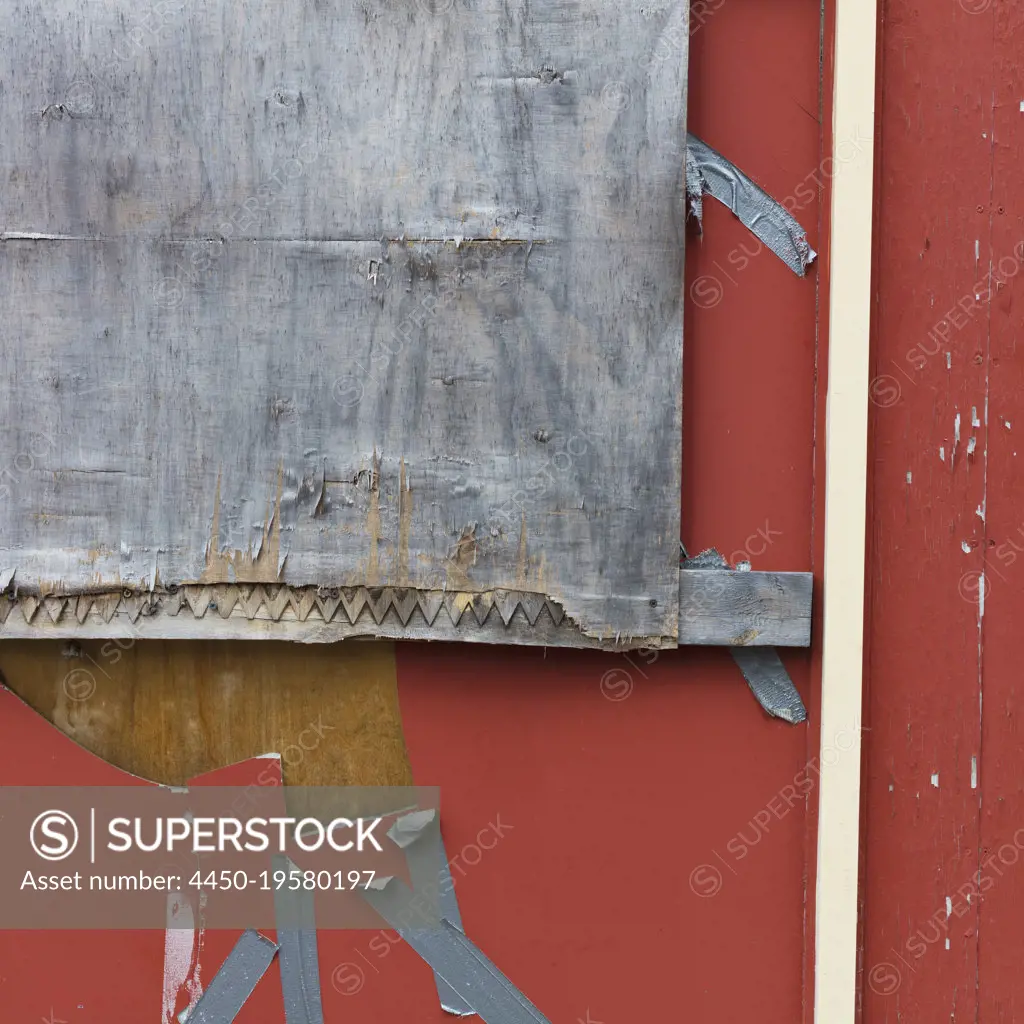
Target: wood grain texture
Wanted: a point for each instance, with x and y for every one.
(343, 295)
(170, 711)
(744, 609)
(717, 607)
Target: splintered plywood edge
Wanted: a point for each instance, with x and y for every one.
(716, 607)
(274, 318)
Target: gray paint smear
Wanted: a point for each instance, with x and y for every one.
(770, 683)
(456, 960)
(709, 172)
(299, 320)
(234, 982)
(300, 967)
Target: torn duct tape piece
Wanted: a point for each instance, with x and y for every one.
(770, 683)
(451, 1001)
(429, 869)
(407, 829)
(709, 558)
(235, 981)
(709, 172)
(299, 959)
(455, 959)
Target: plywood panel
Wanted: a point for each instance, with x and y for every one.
(325, 294)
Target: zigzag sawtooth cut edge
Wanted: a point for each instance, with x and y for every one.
(267, 602)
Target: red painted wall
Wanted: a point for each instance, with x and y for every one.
(944, 785)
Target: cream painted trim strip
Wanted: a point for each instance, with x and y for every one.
(835, 963)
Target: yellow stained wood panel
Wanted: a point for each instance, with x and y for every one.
(171, 710)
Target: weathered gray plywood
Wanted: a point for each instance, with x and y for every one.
(345, 294)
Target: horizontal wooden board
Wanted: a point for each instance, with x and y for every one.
(327, 294)
(742, 609)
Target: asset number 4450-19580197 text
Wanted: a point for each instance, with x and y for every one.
(293, 880)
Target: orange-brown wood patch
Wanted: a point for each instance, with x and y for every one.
(169, 711)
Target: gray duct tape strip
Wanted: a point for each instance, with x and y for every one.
(428, 877)
(451, 1001)
(300, 967)
(234, 982)
(410, 827)
(455, 959)
(710, 558)
(710, 172)
(770, 683)
(761, 666)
